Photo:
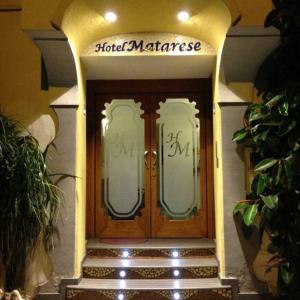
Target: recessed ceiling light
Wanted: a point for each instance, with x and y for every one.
(183, 16)
(176, 273)
(111, 16)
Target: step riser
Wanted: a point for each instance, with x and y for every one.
(216, 294)
(164, 253)
(150, 273)
(147, 272)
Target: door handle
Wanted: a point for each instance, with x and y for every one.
(145, 159)
(154, 155)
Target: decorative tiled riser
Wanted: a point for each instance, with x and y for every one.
(157, 270)
(150, 273)
(217, 294)
(149, 253)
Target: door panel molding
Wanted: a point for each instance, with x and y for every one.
(140, 90)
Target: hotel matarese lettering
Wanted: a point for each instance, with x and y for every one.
(141, 46)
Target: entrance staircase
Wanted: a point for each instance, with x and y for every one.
(153, 270)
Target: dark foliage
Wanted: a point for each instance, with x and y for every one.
(272, 129)
(29, 201)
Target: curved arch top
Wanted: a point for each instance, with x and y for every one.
(58, 16)
(83, 21)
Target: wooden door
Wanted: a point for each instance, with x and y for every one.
(151, 219)
(194, 225)
(108, 223)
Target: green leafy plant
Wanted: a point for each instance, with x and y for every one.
(272, 130)
(29, 201)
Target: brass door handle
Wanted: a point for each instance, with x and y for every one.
(154, 155)
(145, 159)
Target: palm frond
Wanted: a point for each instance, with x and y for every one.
(29, 201)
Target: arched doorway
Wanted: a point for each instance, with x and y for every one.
(149, 137)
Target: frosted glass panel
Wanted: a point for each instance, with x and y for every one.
(178, 158)
(123, 150)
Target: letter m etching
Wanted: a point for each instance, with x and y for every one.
(175, 145)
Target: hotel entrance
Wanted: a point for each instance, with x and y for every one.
(150, 158)
(128, 91)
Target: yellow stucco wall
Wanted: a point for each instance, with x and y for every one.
(254, 11)
(80, 240)
(21, 96)
(37, 14)
(218, 182)
(84, 20)
(10, 4)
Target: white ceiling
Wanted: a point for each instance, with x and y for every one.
(148, 67)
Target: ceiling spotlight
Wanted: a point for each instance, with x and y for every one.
(176, 296)
(122, 274)
(176, 273)
(175, 254)
(111, 16)
(125, 254)
(183, 16)
(121, 297)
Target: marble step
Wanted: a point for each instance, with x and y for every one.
(150, 268)
(155, 289)
(153, 248)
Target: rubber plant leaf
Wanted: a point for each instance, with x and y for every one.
(286, 274)
(286, 126)
(265, 164)
(239, 208)
(250, 214)
(261, 184)
(271, 201)
(274, 100)
(284, 109)
(239, 135)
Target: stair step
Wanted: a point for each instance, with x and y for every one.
(153, 248)
(150, 262)
(154, 268)
(155, 289)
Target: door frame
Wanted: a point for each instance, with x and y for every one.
(204, 86)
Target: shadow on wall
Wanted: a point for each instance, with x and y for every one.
(256, 254)
(255, 249)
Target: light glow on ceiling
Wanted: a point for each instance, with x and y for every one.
(183, 16)
(111, 16)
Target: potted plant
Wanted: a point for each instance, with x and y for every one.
(29, 202)
(272, 129)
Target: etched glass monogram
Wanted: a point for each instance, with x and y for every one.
(178, 158)
(123, 162)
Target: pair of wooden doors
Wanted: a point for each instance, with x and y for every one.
(149, 170)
